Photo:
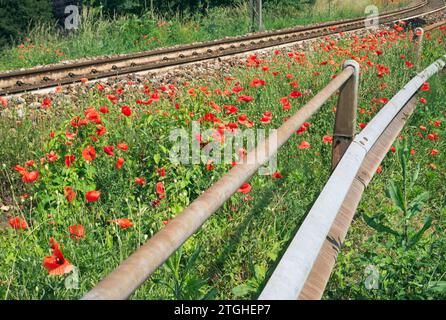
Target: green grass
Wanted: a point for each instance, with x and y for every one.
(99, 35)
(237, 248)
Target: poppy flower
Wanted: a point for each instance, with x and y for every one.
(431, 137)
(230, 109)
(122, 146)
(304, 145)
(245, 98)
(160, 190)
(141, 181)
(92, 196)
(52, 156)
(437, 123)
(393, 149)
(123, 223)
(69, 194)
(409, 64)
(362, 125)
(29, 177)
(29, 163)
(103, 109)
(18, 223)
(77, 231)
(245, 188)
(161, 172)
(57, 264)
(46, 103)
(379, 169)
(69, 159)
(109, 150)
(295, 94)
(119, 163)
(327, 139)
(277, 175)
(423, 100)
(266, 117)
(257, 83)
(89, 153)
(125, 110)
(425, 86)
(242, 119)
(434, 152)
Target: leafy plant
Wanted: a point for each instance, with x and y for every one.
(398, 192)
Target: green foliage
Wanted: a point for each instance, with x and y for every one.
(18, 16)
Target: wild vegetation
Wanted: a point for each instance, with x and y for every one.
(85, 182)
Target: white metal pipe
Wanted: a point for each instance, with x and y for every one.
(290, 275)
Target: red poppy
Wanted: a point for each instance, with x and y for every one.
(425, 86)
(161, 172)
(295, 94)
(437, 123)
(100, 131)
(103, 109)
(29, 163)
(277, 175)
(122, 146)
(431, 137)
(69, 194)
(69, 159)
(56, 264)
(29, 177)
(160, 190)
(46, 103)
(77, 231)
(393, 149)
(18, 223)
(123, 223)
(141, 181)
(119, 163)
(126, 111)
(327, 139)
(434, 152)
(245, 188)
(409, 64)
(379, 169)
(92, 196)
(237, 89)
(257, 83)
(52, 156)
(89, 153)
(304, 145)
(109, 150)
(245, 98)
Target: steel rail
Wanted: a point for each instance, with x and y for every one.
(128, 276)
(293, 270)
(109, 67)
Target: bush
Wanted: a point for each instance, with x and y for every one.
(29, 12)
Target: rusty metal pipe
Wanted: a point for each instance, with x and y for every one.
(128, 276)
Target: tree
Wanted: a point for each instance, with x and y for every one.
(18, 16)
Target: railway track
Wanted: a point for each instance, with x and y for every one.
(46, 77)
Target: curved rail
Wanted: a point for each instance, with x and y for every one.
(51, 76)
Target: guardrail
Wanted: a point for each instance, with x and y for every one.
(309, 249)
(127, 277)
(302, 255)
